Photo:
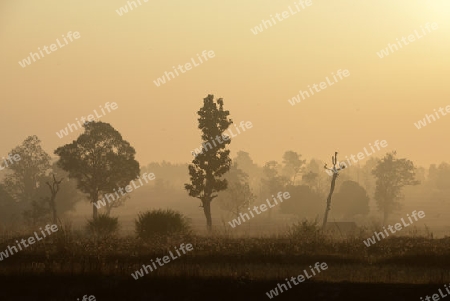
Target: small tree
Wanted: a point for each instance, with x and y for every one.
(34, 162)
(315, 177)
(392, 175)
(109, 206)
(310, 179)
(238, 195)
(209, 166)
(246, 164)
(271, 182)
(293, 166)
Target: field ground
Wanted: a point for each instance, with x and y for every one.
(52, 288)
(223, 268)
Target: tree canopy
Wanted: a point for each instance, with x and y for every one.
(392, 175)
(100, 160)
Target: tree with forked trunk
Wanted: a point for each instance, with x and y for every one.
(54, 188)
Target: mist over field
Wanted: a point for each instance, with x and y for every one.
(167, 191)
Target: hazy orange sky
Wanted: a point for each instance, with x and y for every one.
(117, 58)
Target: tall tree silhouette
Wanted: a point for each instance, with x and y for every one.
(211, 164)
(100, 160)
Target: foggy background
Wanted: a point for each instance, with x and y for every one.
(117, 58)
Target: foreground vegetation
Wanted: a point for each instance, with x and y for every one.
(70, 264)
(393, 260)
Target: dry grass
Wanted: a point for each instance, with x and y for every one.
(392, 260)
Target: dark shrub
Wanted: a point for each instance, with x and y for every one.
(306, 231)
(161, 224)
(103, 227)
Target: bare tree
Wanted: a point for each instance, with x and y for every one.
(117, 203)
(335, 172)
(54, 188)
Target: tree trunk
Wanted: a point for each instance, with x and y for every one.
(385, 216)
(94, 199)
(207, 211)
(327, 209)
(53, 206)
(54, 188)
(108, 209)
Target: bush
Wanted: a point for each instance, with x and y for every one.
(161, 224)
(103, 227)
(306, 231)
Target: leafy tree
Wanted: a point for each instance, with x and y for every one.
(271, 182)
(238, 195)
(245, 162)
(310, 179)
(100, 160)
(367, 178)
(34, 162)
(292, 165)
(440, 176)
(392, 175)
(436, 184)
(8, 208)
(12, 211)
(351, 199)
(315, 177)
(209, 166)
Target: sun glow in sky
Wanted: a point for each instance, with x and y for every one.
(117, 58)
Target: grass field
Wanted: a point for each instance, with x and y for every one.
(249, 265)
